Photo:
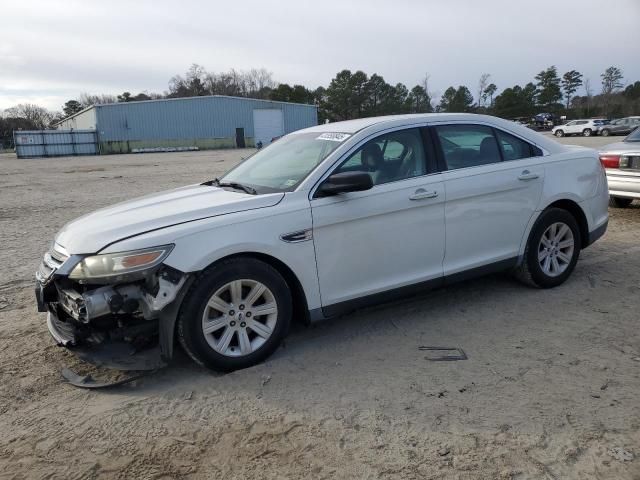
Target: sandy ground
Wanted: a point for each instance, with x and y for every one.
(550, 389)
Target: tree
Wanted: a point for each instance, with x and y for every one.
(339, 96)
(87, 99)
(456, 100)
(447, 99)
(259, 82)
(611, 80)
(39, 117)
(632, 92)
(425, 85)
(295, 94)
(348, 95)
(588, 93)
(72, 107)
(548, 88)
(377, 94)
(8, 125)
(482, 86)
(191, 85)
(571, 80)
(516, 101)
(127, 97)
(419, 101)
(490, 91)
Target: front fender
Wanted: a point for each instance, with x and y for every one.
(202, 243)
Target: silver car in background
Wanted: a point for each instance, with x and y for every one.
(621, 161)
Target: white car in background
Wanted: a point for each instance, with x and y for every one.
(321, 222)
(584, 127)
(622, 163)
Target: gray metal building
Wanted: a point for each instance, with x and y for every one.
(203, 122)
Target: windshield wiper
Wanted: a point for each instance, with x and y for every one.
(235, 185)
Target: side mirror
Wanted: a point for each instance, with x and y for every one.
(345, 182)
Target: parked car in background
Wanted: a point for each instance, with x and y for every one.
(621, 161)
(321, 222)
(621, 126)
(543, 121)
(585, 127)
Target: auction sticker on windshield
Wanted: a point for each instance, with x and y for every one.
(334, 137)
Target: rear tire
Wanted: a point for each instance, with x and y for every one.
(552, 250)
(235, 315)
(586, 132)
(559, 133)
(619, 202)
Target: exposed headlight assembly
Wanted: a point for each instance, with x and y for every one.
(111, 266)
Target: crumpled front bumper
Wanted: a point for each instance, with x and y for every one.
(117, 355)
(104, 350)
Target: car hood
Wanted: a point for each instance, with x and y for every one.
(621, 147)
(91, 233)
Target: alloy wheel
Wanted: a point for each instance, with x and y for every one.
(239, 317)
(555, 250)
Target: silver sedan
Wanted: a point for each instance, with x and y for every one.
(622, 163)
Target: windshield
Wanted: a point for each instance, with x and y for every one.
(633, 136)
(281, 166)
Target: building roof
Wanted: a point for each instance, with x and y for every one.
(181, 99)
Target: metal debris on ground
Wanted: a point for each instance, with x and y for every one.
(87, 381)
(444, 354)
(620, 453)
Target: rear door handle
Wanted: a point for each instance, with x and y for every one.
(421, 194)
(527, 175)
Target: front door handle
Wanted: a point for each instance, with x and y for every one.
(421, 194)
(527, 175)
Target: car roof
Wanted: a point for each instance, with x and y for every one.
(376, 124)
(353, 126)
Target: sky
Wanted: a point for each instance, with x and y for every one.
(52, 51)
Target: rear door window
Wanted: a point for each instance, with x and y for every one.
(465, 146)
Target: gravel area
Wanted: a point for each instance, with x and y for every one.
(550, 389)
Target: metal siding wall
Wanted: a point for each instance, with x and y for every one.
(55, 143)
(240, 111)
(159, 120)
(82, 121)
(194, 118)
(296, 117)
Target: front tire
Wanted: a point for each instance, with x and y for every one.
(559, 133)
(605, 132)
(619, 202)
(552, 250)
(235, 315)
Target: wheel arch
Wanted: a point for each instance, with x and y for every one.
(570, 206)
(578, 213)
(300, 304)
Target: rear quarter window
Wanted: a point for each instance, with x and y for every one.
(514, 148)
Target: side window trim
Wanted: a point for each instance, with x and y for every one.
(442, 163)
(430, 150)
(500, 146)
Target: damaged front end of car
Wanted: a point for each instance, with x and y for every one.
(114, 310)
